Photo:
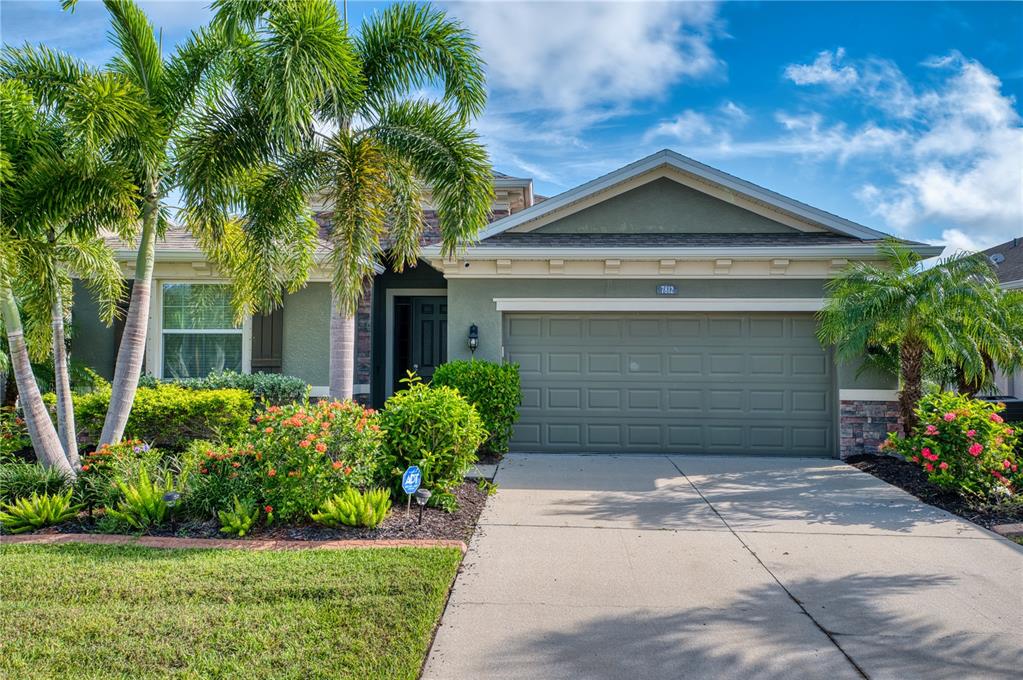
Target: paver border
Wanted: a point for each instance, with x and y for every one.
(226, 543)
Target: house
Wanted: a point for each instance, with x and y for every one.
(666, 306)
(1007, 260)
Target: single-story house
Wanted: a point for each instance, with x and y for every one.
(1007, 260)
(666, 306)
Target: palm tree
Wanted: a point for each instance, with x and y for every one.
(998, 336)
(46, 236)
(919, 311)
(342, 118)
(167, 89)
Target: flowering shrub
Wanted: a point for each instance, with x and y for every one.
(96, 484)
(963, 444)
(215, 474)
(13, 434)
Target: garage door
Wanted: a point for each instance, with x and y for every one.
(687, 383)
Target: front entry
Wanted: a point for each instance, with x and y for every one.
(420, 336)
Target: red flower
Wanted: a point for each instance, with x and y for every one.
(321, 447)
(304, 444)
(271, 473)
(337, 464)
(269, 430)
(236, 464)
(86, 468)
(269, 509)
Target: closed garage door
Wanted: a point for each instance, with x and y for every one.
(687, 383)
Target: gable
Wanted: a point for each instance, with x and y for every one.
(663, 206)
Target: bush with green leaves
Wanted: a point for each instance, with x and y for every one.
(215, 473)
(21, 480)
(964, 444)
(494, 389)
(13, 434)
(142, 506)
(96, 484)
(354, 509)
(435, 428)
(267, 389)
(240, 519)
(37, 511)
(169, 416)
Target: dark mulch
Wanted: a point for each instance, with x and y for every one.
(437, 524)
(912, 479)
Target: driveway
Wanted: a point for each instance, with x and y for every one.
(640, 567)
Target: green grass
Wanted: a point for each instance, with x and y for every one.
(86, 611)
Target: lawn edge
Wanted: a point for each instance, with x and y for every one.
(226, 543)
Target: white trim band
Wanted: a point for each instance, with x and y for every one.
(868, 395)
(662, 304)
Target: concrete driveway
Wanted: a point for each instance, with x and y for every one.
(640, 567)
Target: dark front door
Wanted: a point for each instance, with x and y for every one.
(420, 336)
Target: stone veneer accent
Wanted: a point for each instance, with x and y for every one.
(863, 425)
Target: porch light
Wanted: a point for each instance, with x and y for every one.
(474, 338)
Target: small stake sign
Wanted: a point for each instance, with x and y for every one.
(410, 482)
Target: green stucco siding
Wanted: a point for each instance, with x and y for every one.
(664, 206)
(306, 341)
(92, 342)
(851, 377)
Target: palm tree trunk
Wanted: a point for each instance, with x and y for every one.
(62, 385)
(133, 340)
(342, 354)
(40, 428)
(911, 364)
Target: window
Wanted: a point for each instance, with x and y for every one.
(200, 335)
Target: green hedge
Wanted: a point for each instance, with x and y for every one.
(170, 416)
(495, 391)
(270, 389)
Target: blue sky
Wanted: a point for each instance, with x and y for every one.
(902, 116)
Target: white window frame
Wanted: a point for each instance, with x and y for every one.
(154, 344)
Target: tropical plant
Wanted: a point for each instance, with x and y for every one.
(21, 480)
(939, 311)
(344, 117)
(239, 520)
(436, 429)
(494, 389)
(13, 433)
(36, 512)
(96, 484)
(964, 444)
(354, 509)
(143, 506)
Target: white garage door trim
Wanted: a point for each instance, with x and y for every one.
(663, 304)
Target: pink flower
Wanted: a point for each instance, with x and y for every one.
(943, 465)
(975, 449)
(1009, 431)
(971, 433)
(995, 418)
(926, 453)
(928, 467)
(915, 459)
(932, 429)
(949, 417)
(1006, 464)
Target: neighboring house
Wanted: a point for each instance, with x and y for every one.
(666, 306)
(1007, 260)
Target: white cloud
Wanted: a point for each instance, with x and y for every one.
(685, 127)
(825, 70)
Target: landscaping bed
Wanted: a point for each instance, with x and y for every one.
(912, 479)
(117, 611)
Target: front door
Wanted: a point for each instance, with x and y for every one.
(421, 336)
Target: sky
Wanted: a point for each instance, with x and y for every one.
(905, 117)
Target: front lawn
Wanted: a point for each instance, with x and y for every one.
(105, 611)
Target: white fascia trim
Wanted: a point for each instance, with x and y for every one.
(684, 164)
(868, 395)
(662, 304)
(859, 251)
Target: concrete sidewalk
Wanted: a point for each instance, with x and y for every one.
(716, 567)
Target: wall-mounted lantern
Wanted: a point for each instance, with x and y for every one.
(474, 338)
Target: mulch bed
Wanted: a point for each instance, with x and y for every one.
(437, 524)
(913, 480)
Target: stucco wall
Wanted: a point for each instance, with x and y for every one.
(92, 342)
(306, 341)
(472, 301)
(664, 206)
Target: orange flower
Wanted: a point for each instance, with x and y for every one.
(337, 464)
(236, 464)
(271, 473)
(304, 444)
(269, 430)
(321, 447)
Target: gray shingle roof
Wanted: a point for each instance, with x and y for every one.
(1010, 266)
(544, 240)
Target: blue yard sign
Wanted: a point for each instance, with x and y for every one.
(411, 480)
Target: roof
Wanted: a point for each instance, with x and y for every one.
(699, 171)
(1007, 259)
(546, 240)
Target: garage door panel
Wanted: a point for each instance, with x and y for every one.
(674, 382)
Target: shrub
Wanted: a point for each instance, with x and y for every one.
(96, 484)
(13, 434)
(170, 416)
(963, 444)
(143, 506)
(495, 391)
(214, 474)
(354, 509)
(239, 519)
(267, 389)
(37, 511)
(21, 480)
(436, 429)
